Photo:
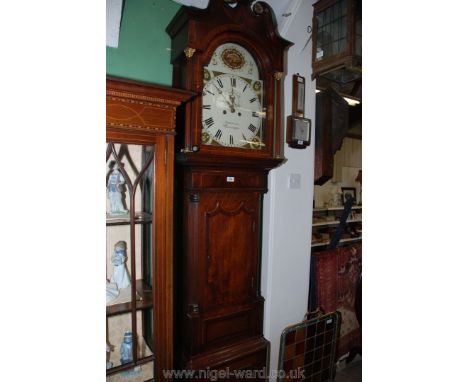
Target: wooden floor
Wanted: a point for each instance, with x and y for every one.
(351, 372)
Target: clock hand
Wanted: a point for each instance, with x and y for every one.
(231, 106)
(232, 98)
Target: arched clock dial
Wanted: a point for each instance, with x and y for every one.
(232, 112)
(232, 109)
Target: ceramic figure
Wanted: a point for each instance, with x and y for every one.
(116, 191)
(108, 363)
(126, 349)
(112, 291)
(120, 275)
(337, 199)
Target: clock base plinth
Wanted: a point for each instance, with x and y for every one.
(250, 358)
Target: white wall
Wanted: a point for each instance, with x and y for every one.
(287, 219)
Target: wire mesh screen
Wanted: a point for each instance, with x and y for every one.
(308, 349)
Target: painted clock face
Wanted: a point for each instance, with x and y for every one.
(232, 111)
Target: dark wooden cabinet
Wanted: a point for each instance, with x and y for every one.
(331, 126)
(337, 46)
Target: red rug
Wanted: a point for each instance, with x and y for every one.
(336, 275)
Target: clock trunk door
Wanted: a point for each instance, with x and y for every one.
(231, 241)
(230, 225)
(228, 263)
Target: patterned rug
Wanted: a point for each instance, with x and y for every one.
(337, 273)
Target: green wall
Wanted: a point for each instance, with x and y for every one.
(143, 53)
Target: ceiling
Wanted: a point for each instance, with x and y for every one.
(280, 6)
(204, 3)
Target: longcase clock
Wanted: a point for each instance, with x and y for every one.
(231, 56)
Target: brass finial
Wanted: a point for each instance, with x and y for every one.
(278, 75)
(189, 52)
(258, 8)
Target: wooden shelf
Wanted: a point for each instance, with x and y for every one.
(146, 302)
(140, 218)
(336, 208)
(334, 222)
(321, 225)
(351, 239)
(130, 365)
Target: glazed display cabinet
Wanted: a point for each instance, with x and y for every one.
(140, 121)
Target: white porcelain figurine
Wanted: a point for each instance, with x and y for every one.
(112, 291)
(116, 191)
(126, 349)
(109, 364)
(120, 275)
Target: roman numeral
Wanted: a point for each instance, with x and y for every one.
(233, 82)
(207, 107)
(253, 99)
(218, 134)
(252, 128)
(255, 114)
(209, 122)
(245, 87)
(231, 139)
(218, 80)
(207, 91)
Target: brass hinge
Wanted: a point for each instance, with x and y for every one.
(193, 309)
(194, 198)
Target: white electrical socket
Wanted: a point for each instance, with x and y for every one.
(295, 181)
